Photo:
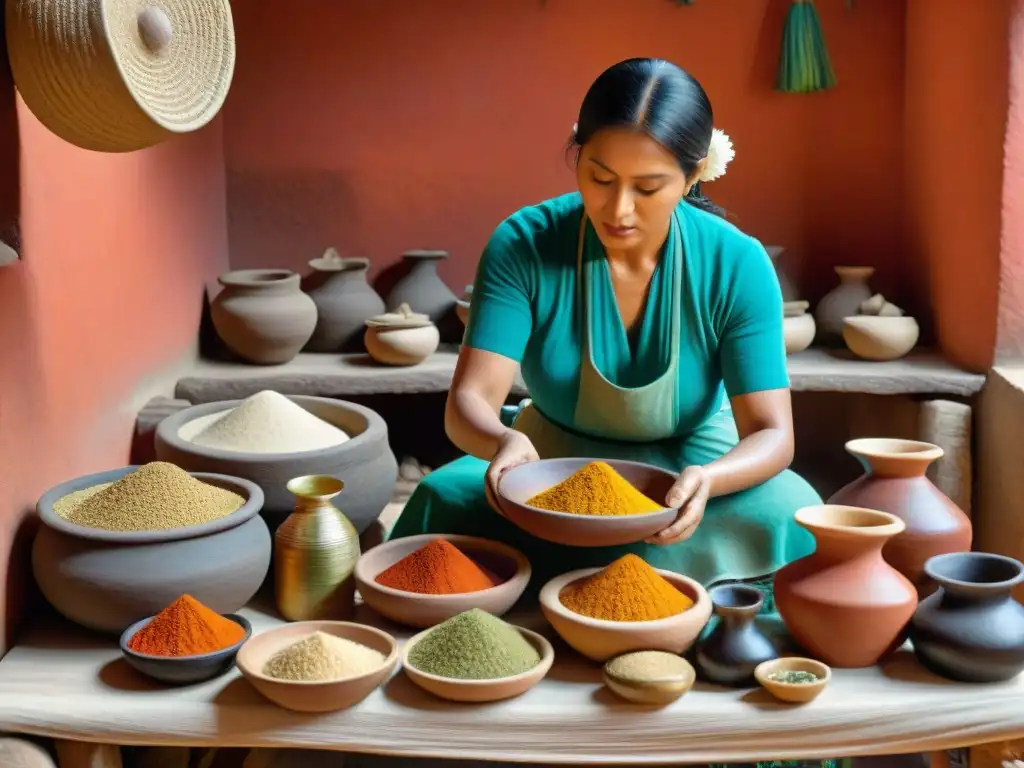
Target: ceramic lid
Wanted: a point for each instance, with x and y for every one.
(331, 261)
(403, 317)
(420, 253)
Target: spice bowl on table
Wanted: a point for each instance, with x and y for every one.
(423, 580)
(583, 502)
(318, 666)
(185, 643)
(626, 606)
(793, 679)
(649, 677)
(476, 657)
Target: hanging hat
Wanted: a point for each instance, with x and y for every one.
(121, 75)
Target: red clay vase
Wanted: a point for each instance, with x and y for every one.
(894, 481)
(844, 603)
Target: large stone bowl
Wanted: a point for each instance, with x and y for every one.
(365, 463)
(108, 580)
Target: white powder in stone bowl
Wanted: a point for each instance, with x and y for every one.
(267, 422)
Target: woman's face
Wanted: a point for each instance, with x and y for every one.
(630, 186)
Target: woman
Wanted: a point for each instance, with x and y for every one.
(646, 328)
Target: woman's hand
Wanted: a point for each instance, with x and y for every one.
(690, 494)
(514, 448)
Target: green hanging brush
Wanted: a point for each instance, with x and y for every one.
(804, 66)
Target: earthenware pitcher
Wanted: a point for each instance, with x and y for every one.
(894, 481)
(422, 288)
(344, 301)
(842, 301)
(262, 315)
(315, 553)
(733, 649)
(971, 629)
(844, 603)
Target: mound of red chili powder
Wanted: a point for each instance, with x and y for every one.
(437, 568)
(186, 628)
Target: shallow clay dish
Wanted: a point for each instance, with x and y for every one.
(422, 611)
(523, 482)
(328, 696)
(182, 670)
(600, 640)
(454, 689)
(793, 693)
(648, 689)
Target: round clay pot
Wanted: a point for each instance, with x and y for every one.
(344, 301)
(971, 629)
(402, 337)
(732, 650)
(880, 338)
(894, 481)
(422, 288)
(798, 332)
(842, 301)
(262, 315)
(844, 603)
(364, 463)
(108, 580)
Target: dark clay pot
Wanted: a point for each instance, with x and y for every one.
(731, 651)
(971, 629)
(344, 302)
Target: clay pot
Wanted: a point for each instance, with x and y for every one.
(844, 603)
(798, 327)
(733, 649)
(894, 481)
(344, 301)
(422, 288)
(789, 292)
(880, 337)
(262, 315)
(842, 301)
(402, 337)
(971, 629)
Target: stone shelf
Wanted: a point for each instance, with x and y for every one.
(353, 375)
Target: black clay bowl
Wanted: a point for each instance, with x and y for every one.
(523, 482)
(183, 670)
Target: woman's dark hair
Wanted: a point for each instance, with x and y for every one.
(662, 100)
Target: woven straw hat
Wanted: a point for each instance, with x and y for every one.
(121, 75)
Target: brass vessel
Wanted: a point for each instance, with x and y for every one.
(315, 553)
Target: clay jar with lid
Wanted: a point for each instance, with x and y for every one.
(894, 481)
(262, 315)
(402, 337)
(344, 302)
(844, 603)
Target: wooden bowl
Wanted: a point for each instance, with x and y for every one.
(600, 639)
(183, 670)
(454, 689)
(326, 696)
(422, 611)
(794, 693)
(523, 482)
(644, 689)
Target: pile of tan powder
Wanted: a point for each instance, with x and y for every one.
(155, 497)
(267, 422)
(321, 657)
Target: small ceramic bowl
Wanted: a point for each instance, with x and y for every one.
(454, 689)
(600, 639)
(798, 332)
(523, 482)
(325, 696)
(422, 611)
(644, 688)
(793, 693)
(880, 338)
(183, 670)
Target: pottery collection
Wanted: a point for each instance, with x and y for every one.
(402, 337)
(733, 649)
(841, 302)
(422, 288)
(894, 481)
(971, 629)
(844, 603)
(344, 301)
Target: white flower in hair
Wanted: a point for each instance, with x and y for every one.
(720, 154)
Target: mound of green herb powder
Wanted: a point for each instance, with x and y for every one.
(474, 645)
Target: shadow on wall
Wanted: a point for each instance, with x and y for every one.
(10, 158)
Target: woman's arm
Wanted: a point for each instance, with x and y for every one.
(480, 387)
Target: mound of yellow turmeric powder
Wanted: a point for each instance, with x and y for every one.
(627, 590)
(595, 489)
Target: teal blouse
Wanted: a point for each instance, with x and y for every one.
(525, 308)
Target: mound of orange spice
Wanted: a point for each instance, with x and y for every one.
(437, 568)
(595, 489)
(627, 590)
(186, 627)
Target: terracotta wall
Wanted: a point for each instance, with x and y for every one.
(378, 128)
(105, 302)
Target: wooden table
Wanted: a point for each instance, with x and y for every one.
(63, 683)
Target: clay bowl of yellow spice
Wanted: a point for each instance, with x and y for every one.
(626, 606)
(584, 502)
